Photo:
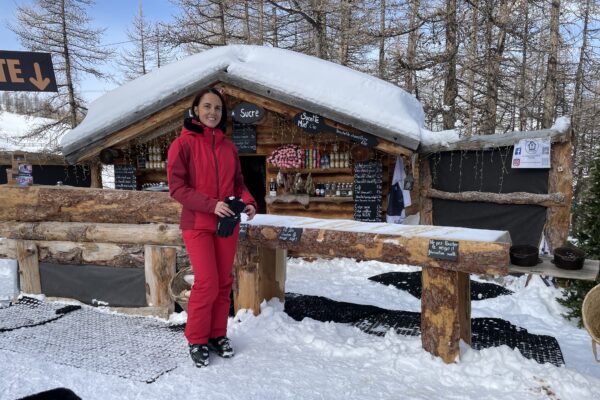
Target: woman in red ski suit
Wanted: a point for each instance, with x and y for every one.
(203, 170)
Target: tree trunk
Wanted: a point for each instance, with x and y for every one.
(472, 61)
(344, 30)
(68, 73)
(552, 69)
(523, 87)
(410, 79)
(381, 63)
(450, 85)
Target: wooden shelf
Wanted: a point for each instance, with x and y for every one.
(589, 272)
(305, 200)
(313, 171)
(334, 199)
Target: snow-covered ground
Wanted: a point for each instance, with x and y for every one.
(280, 358)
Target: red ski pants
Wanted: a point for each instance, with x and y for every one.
(212, 261)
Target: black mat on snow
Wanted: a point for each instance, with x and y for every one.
(485, 332)
(28, 312)
(411, 282)
(137, 348)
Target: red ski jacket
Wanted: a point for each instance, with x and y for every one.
(203, 168)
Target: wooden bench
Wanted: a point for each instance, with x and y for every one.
(445, 301)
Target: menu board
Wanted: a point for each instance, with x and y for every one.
(125, 177)
(244, 137)
(368, 195)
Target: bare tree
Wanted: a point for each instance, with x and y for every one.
(552, 69)
(63, 28)
(135, 61)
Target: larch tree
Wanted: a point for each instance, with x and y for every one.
(136, 60)
(63, 28)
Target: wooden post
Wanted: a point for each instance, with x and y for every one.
(246, 282)
(560, 180)
(159, 270)
(259, 275)
(271, 271)
(29, 268)
(95, 174)
(445, 312)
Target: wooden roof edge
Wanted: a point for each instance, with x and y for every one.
(41, 158)
(393, 136)
(483, 142)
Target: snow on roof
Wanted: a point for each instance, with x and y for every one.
(307, 82)
(14, 126)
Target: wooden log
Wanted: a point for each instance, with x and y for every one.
(66, 203)
(159, 271)
(560, 179)
(160, 312)
(159, 234)
(474, 256)
(29, 267)
(478, 142)
(444, 317)
(58, 252)
(546, 200)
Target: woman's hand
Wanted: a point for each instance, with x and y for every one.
(223, 210)
(250, 211)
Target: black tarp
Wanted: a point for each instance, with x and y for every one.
(119, 287)
(488, 171)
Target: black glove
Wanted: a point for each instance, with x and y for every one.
(226, 225)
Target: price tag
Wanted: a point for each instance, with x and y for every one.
(290, 234)
(443, 249)
(243, 230)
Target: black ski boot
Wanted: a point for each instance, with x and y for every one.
(199, 353)
(222, 346)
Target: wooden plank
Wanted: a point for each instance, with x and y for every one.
(425, 203)
(160, 312)
(67, 203)
(159, 234)
(464, 305)
(29, 267)
(546, 200)
(589, 272)
(159, 271)
(440, 314)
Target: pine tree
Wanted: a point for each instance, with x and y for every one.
(587, 233)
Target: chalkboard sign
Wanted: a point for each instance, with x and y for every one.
(311, 123)
(443, 249)
(247, 113)
(290, 234)
(368, 191)
(244, 137)
(243, 230)
(364, 139)
(125, 177)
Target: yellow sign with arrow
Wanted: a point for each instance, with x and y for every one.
(23, 71)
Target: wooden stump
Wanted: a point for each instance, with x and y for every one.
(159, 271)
(259, 275)
(445, 312)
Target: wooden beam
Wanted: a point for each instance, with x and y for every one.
(272, 270)
(158, 234)
(34, 158)
(546, 200)
(114, 255)
(475, 256)
(289, 112)
(29, 267)
(479, 142)
(67, 203)
(560, 180)
(159, 271)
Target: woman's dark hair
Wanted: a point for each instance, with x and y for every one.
(223, 122)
